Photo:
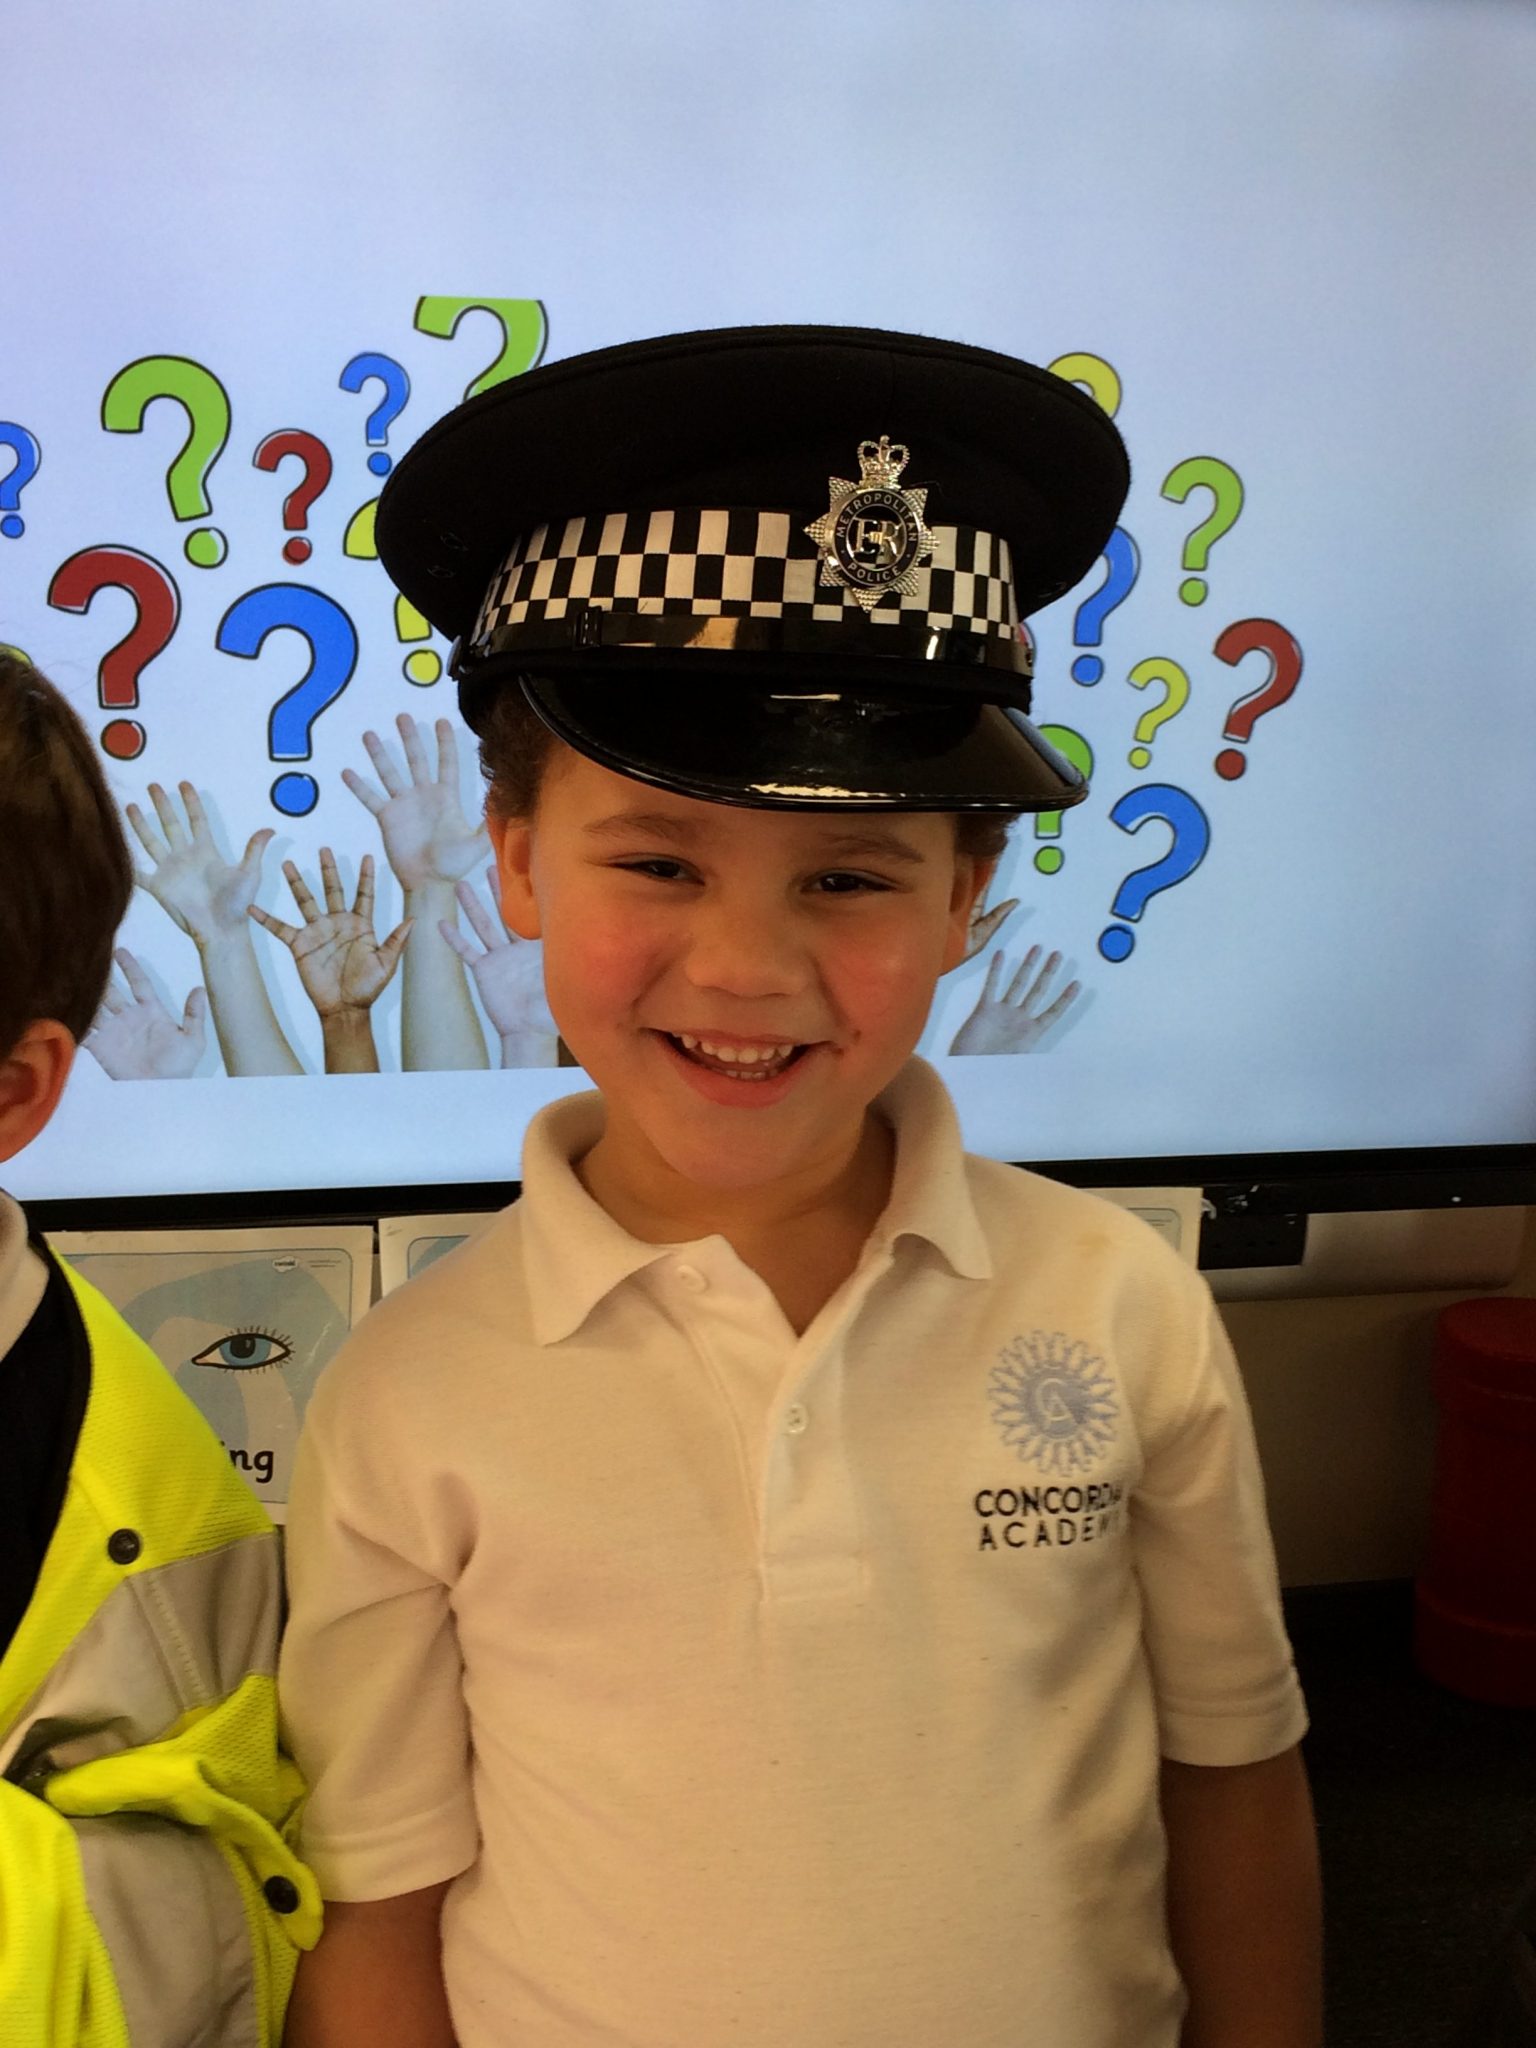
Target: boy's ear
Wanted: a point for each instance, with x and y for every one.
(512, 841)
(972, 874)
(32, 1077)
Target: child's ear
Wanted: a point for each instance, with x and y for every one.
(32, 1077)
(512, 840)
(972, 874)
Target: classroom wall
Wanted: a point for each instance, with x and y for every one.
(1340, 1390)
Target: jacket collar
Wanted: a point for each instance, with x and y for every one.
(23, 1275)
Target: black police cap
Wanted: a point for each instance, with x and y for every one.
(772, 566)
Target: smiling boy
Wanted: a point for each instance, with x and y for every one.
(788, 1581)
(742, 984)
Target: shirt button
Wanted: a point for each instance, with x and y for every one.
(692, 1279)
(795, 1419)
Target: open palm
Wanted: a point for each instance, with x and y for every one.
(135, 1037)
(191, 877)
(427, 837)
(341, 963)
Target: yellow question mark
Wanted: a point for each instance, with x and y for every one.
(1156, 670)
(359, 541)
(1102, 380)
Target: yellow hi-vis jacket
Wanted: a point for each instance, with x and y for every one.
(150, 1896)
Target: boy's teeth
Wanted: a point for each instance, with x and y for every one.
(749, 1061)
(735, 1055)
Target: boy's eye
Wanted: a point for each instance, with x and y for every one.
(836, 882)
(244, 1350)
(840, 883)
(659, 866)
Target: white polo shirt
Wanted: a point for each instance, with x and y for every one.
(768, 1690)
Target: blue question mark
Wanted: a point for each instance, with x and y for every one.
(332, 641)
(28, 459)
(1122, 565)
(397, 389)
(1191, 837)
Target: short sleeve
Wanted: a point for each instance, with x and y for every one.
(370, 1677)
(1222, 1669)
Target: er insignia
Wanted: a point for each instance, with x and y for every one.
(873, 537)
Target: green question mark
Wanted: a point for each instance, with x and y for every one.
(1048, 823)
(524, 332)
(1226, 487)
(1156, 670)
(206, 403)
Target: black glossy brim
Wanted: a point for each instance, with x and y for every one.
(791, 750)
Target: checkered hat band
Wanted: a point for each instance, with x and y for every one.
(735, 564)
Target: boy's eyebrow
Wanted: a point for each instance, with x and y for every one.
(663, 825)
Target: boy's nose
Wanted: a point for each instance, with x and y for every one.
(743, 951)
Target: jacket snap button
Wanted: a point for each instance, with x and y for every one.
(281, 1894)
(123, 1546)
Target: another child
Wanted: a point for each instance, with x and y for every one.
(789, 1583)
(149, 1897)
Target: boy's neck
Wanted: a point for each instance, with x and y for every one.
(841, 1197)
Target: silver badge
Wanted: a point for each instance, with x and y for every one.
(873, 538)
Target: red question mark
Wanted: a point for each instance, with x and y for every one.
(157, 604)
(1255, 636)
(316, 458)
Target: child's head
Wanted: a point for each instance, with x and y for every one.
(703, 960)
(754, 728)
(67, 880)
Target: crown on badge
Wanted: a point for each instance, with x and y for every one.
(882, 461)
(874, 535)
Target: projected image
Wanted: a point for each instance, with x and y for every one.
(470, 994)
(1266, 930)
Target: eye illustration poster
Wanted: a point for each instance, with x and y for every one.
(243, 1320)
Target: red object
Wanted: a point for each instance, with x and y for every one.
(1475, 1599)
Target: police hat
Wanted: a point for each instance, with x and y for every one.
(772, 566)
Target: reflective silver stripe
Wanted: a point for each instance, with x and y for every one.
(169, 1639)
(170, 1912)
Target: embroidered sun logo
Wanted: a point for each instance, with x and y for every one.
(1053, 1402)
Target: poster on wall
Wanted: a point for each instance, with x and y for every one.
(242, 1320)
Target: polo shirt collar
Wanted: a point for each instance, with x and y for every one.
(575, 1253)
(930, 1189)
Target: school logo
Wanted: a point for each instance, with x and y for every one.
(1053, 1402)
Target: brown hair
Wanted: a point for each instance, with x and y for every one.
(65, 875)
(516, 746)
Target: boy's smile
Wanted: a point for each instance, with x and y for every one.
(740, 984)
